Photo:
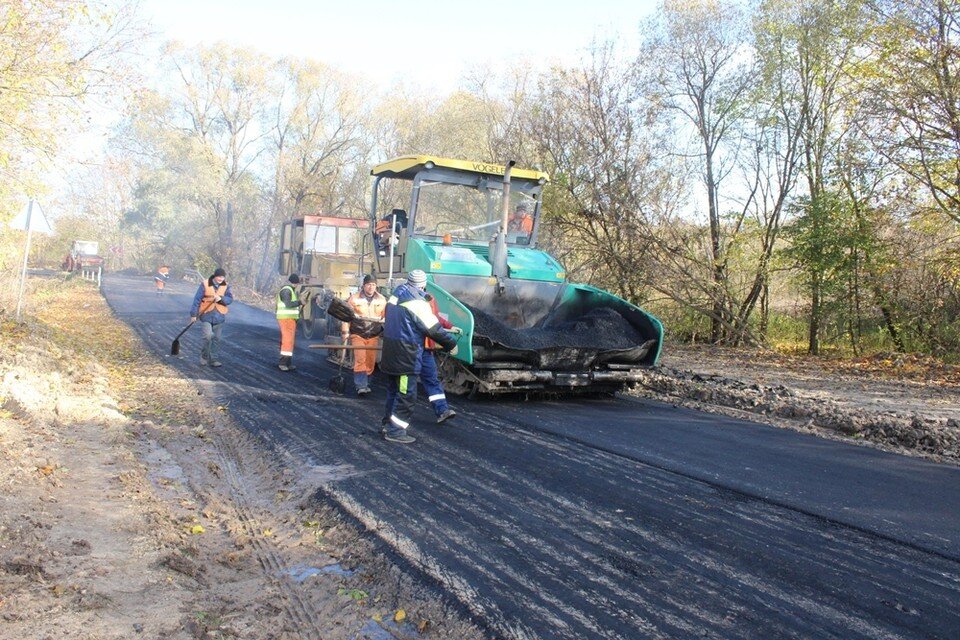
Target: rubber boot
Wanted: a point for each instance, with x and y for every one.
(284, 363)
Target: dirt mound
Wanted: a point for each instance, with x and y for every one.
(909, 418)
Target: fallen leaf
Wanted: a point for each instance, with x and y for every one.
(196, 529)
(400, 615)
(267, 533)
(46, 470)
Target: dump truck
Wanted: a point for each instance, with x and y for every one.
(327, 253)
(473, 228)
(84, 254)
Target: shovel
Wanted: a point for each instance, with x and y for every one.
(337, 383)
(175, 347)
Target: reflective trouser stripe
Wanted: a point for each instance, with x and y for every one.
(438, 396)
(401, 398)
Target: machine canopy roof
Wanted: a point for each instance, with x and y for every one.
(406, 167)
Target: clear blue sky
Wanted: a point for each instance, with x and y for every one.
(390, 41)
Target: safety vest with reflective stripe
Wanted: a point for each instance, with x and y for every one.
(209, 293)
(283, 311)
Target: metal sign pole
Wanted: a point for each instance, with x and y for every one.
(26, 254)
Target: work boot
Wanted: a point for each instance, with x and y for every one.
(362, 391)
(216, 363)
(446, 415)
(399, 436)
(203, 361)
(284, 363)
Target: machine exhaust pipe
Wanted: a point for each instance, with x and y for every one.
(498, 252)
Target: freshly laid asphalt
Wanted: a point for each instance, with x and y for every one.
(610, 518)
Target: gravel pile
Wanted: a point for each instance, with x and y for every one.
(597, 329)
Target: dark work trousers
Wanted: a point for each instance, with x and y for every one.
(401, 397)
(431, 383)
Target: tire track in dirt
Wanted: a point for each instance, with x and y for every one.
(295, 606)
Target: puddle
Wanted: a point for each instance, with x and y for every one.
(301, 572)
(163, 471)
(373, 631)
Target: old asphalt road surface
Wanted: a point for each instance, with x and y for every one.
(604, 518)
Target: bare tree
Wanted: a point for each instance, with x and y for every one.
(697, 57)
(608, 178)
(915, 92)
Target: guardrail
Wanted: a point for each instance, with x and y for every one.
(93, 274)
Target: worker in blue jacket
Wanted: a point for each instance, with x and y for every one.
(409, 321)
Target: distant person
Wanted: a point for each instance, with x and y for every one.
(368, 305)
(210, 306)
(521, 222)
(288, 312)
(382, 233)
(161, 277)
(409, 321)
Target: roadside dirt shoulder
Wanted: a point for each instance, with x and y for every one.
(131, 507)
(894, 402)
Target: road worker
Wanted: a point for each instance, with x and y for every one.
(384, 235)
(428, 367)
(288, 311)
(429, 376)
(409, 321)
(368, 306)
(520, 222)
(210, 306)
(161, 277)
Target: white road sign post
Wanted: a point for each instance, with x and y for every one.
(29, 221)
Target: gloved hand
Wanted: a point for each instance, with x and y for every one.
(454, 351)
(217, 298)
(455, 331)
(193, 318)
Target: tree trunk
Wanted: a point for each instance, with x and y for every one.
(888, 319)
(816, 311)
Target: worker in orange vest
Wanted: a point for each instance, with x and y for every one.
(161, 277)
(521, 222)
(368, 305)
(210, 307)
(428, 367)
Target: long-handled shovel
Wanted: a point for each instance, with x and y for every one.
(175, 347)
(337, 383)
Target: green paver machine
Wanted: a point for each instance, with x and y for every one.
(472, 227)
